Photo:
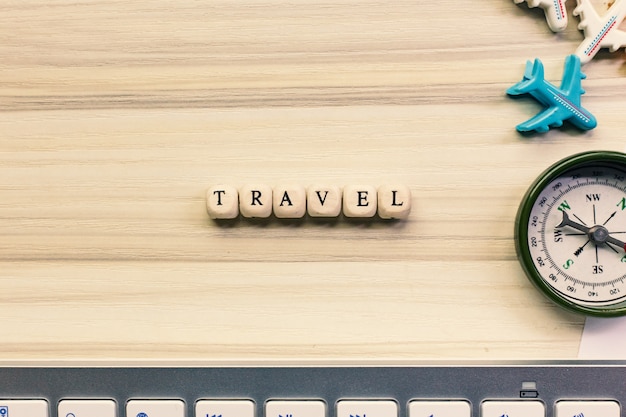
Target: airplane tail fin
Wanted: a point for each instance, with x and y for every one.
(533, 78)
(572, 76)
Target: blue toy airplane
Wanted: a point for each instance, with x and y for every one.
(561, 104)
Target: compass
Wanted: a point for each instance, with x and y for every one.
(570, 233)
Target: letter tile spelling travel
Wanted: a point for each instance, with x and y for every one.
(289, 201)
(359, 201)
(394, 201)
(222, 202)
(255, 200)
(323, 200)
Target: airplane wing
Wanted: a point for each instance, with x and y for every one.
(589, 19)
(556, 14)
(600, 32)
(551, 117)
(571, 82)
(614, 40)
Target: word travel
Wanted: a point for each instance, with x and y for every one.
(294, 201)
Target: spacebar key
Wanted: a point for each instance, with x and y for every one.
(367, 408)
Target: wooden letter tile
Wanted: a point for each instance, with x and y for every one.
(222, 202)
(255, 200)
(289, 201)
(394, 202)
(323, 200)
(359, 201)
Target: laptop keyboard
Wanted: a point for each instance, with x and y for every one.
(575, 389)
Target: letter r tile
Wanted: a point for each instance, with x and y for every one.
(323, 200)
(359, 201)
(222, 202)
(255, 200)
(394, 202)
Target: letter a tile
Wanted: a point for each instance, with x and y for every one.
(289, 201)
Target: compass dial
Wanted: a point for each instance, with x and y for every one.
(571, 233)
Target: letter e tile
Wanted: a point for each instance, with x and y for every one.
(359, 201)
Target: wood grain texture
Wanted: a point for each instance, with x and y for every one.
(117, 116)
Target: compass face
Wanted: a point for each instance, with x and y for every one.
(571, 233)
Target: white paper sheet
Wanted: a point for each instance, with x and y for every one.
(603, 339)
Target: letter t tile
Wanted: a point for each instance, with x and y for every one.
(222, 202)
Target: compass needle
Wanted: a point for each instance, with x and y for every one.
(580, 250)
(610, 217)
(598, 234)
(568, 222)
(566, 230)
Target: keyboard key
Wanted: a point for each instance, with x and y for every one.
(292, 408)
(419, 408)
(587, 409)
(225, 408)
(367, 408)
(513, 409)
(155, 408)
(23, 408)
(87, 408)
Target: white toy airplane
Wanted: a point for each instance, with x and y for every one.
(556, 14)
(600, 32)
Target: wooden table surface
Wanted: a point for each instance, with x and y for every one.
(116, 117)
